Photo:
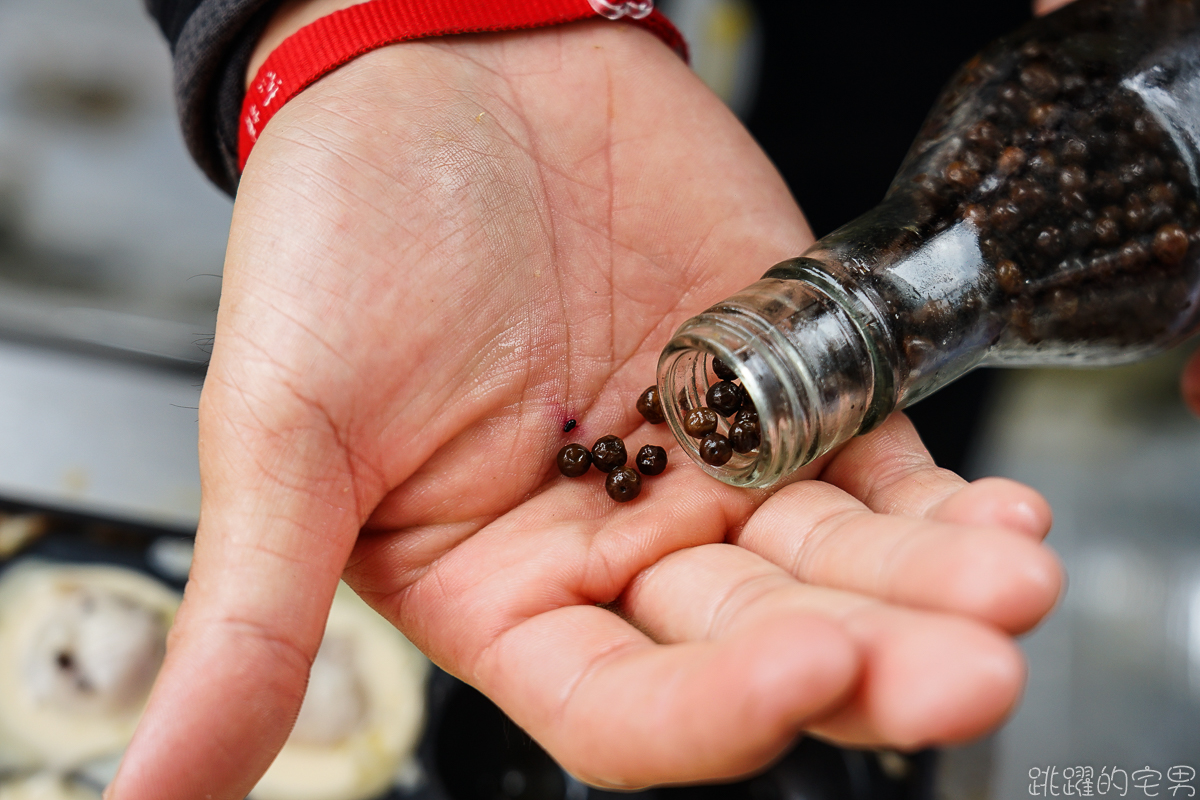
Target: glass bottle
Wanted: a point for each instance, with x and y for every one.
(1046, 214)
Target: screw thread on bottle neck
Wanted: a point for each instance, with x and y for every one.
(802, 358)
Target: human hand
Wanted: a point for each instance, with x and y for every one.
(441, 252)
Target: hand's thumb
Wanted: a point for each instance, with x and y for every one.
(278, 520)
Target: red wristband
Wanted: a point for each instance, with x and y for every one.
(318, 49)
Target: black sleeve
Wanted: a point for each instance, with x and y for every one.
(211, 42)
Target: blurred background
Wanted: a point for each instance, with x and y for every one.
(111, 245)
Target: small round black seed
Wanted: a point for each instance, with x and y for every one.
(1080, 233)
(723, 371)
(715, 449)
(974, 214)
(1008, 275)
(1105, 187)
(748, 413)
(649, 405)
(1074, 151)
(1043, 164)
(574, 460)
(1108, 230)
(985, 136)
(1170, 244)
(699, 422)
(623, 484)
(651, 460)
(961, 175)
(1005, 216)
(608, 453)
(744, 436)
(1050, 242)
(1072, 179)
(725, 398)
(569, 426)
(1011, 160)
(1132, 255)
(1028, 195)
(1040, 81)
(1045, 115)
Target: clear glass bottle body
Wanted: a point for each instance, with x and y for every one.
(1047, 214)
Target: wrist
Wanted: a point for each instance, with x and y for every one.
(352, 29)
(290, 17)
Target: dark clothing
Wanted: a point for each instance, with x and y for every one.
(211, 41)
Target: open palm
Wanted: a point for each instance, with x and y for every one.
(440, 253)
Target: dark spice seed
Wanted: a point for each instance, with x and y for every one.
(961, 175)
(1162, 194)
(1147, 133)
(1137, 214)
(723, 371)
(1105, 187)
(715, 450)
(985, 136)
(975, 214)
(1040, 81)
(1005, 216)
(1152, 166)
(649, 405)
(574, 460)
(1074, 151)
(1081, 234)
(1108, 231)
(1028, 195)
(1074, 202)
(1132, 255)
(1072, 179)
(1043, 164)
(623, 484)
(1170, 244)
(1045, 115)
(699, 422)
(748, 414)
(1011, 160)
(1160, 214)
(1012, 95)
(744, 436)
(608, 453)
(1050, 242)
(725, 398)
(651, 460)
(1008, 275)
(977, 160)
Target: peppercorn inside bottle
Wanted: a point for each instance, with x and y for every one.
(699, 422)
(649, 405)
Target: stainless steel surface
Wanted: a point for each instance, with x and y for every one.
(99, 436)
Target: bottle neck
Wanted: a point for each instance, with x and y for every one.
(802, 356)
(872, 318)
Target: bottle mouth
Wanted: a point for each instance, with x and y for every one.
(747, 345)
